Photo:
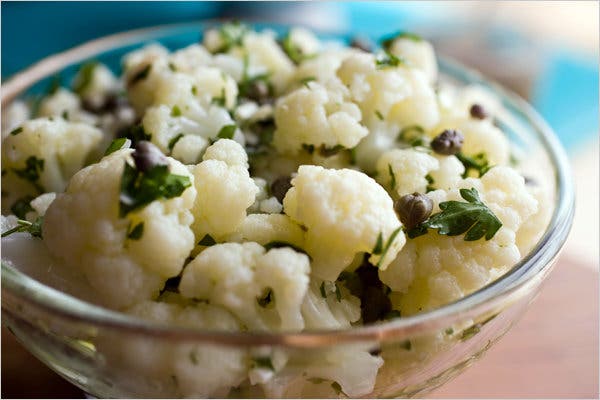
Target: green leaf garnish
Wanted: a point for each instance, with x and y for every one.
(172, 67)
(31, 172)
(392, 177)
(387, 42)
(22, 206)
(207, 240)
(135, 133)
(227, 132)
(232, 35)
(413, 136)
(221, 100)
(387, 60)
(307, 79)
(115, 145)
(388, 245)
(174, 141)
(478, 163)
(310, 148)
(456, 218)
(379, 115)
(393, 314)
(176, 111)
(294, 52)
(141, 75)
(85, 76)
(141, 188)
(33, 228)
(430, 183)
(267, 298)
(16, 131)
(137, 232)
(378, 245)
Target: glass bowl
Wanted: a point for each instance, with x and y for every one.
(110, 354)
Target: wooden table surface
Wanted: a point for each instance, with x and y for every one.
(551, 353)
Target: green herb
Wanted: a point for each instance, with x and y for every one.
(174, 141)
(278, 244)
(22, 206)
(387, 42)
(194, 90)
(449, 331)
(310, 148)
(263, 362)
(194, 357)
(141, 188)
(232, 35)
(406, 345)
(135, 133)
(387, 246)
(478, 163)
(267, 298)
(227, 132)
(330, 151)
(413, 136)
(34, 229)
(258, 87)
(16, 131)
(115, 145)
(353, 156)
(379, 115)
(65, 115)
(430, 183)
(307, 79)
(378, 245)
(392, 177)
(85, 76)
(137, 232)
(293, 51)
(32, 171)
(140, 75)
(207, 240)
(175, 111)
(221, 100)
(172, 67)
(387, 60)
(456, 218)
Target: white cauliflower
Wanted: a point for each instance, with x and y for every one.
(338, 309)
(345, 212)
(191, 370)
(225, 190)
(14, 115)
(408, 169)
(267, 228)
(322, 67)
(448, 174)
(432, 270)
(417, 52)
(94, 83)
(317, 115)
(263, 289)
(189, 58)
(83, 226)
(41, 156)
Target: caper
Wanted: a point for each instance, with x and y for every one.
(280, 187)
(147, 156)
(412, 209)
(477, 111)
(447, 143)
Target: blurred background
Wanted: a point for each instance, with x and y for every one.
(545, 51)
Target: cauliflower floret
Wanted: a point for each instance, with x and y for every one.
(408, 168)
(317, 115)
(323, 67)
(305, 41)
(399, 94)
(432, 270)
(263, 289)
(345, 212)
(40, 205)
(418, 53)
(141, 71)
(94, 83)
(189, 58)
(337, 310)
(14, 115)
(225, 190)
(41, 156)
(267, 228)
(448, 174)
(192, 370)
(83, 227)
(62, 101)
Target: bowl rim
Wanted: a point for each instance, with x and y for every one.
(45, 299)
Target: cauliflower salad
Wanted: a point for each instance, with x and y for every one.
(252, 182)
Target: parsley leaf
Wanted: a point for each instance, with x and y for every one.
(227, 132)
(176, 111)
(137, 232)
(307, 79)
(293, 51)
(392, 177)
(140, 75)
(413, 136)
(379, 115)
(478, 163)
(388, 60)
(387, 42)
(378, 245)
(22, 206)
(16, 131)
(456, 218)
(135, 133)
(174, 141)
(232, 35)
(31, 172)
(387, 245)
(115, 145)
(33, 228)
(141, 188)
(85, 77)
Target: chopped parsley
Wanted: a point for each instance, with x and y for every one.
(392, 177)
(140, 75)
(176, 111)
(338, 388)
(387, 246)
(310, 148)
(307, 79)
(227, 132)
(387, 42)
(472, 217)
(263, 362)
(221, 100)
(16, 131)
(378, 245)
(330, 151)
(65, 115)
(387, 60)
(413, 136)
(194, 90)
(193, 357)
(478, 163)
(172, 67)
(115, 145)
(430, 183)
(135, 133)
(85, 77)
(207, 240)
(267, 298)
(379, 115)
(293, 51)
(33, 228)
(137, 232)
(174, 141)
(31, 172)
(141, 188)
(232, 35)
(22, 206)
